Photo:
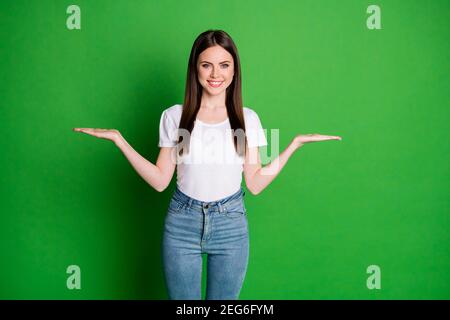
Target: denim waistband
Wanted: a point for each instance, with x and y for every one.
(189, 201)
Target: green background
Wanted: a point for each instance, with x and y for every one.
(380, 196)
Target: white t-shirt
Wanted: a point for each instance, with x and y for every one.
(212, 169)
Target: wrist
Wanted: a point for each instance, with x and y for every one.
(119, 140)
(296, 144)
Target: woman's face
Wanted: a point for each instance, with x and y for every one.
(215, 67)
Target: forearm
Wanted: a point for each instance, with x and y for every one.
(147, 170)
(265, 175)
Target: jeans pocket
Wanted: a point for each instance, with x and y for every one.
(175, 206)
(236, 211)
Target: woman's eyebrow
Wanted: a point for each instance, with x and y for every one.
(211, 63)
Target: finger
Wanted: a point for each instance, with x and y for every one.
(89, 131)
(332, 137)
(323, 138)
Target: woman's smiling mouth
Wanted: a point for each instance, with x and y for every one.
(214, 84)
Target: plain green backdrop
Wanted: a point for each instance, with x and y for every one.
(378, 197)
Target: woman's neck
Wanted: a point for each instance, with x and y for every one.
(213, 103)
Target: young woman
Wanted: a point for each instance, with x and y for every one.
(207, 214)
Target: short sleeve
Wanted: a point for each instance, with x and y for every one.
(167, 131)
(255, 132)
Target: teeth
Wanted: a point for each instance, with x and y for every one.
(215, 83)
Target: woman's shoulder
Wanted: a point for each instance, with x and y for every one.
(174, 112)
(250, 115)
(174, 109)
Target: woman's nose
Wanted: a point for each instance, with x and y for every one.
(214, 73)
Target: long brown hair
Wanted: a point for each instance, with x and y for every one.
(193, 93)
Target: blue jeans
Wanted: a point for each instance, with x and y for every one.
(218, 229)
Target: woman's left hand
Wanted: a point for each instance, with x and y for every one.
(314, 137)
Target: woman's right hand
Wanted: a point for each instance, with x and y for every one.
(108, 134)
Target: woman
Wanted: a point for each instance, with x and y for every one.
(207, 214)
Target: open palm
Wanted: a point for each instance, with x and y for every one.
(313, 137)
(109, 134)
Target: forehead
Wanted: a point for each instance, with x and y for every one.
(215, 54)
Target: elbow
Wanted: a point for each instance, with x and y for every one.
(160, 188)
(162, 184)
(254, 191)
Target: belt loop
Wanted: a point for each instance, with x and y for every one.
(189, 203)
(220, 207)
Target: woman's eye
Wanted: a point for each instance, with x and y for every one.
(223, 65)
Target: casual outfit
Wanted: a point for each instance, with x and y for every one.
(207, 213)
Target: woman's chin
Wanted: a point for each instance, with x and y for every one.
(214, 92)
